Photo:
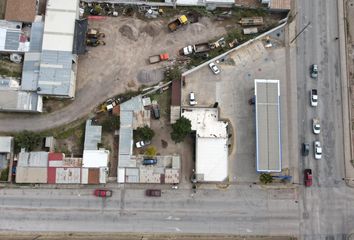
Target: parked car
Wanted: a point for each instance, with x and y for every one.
(214, 68)
(308, 177)
(317, 149)
(305, 149)
(192, 100)
(314, 71)
(316, 128)
(141, 144)
(314, 97)
(103, 193)
(156, 111)
(153, 192)
(149, 161)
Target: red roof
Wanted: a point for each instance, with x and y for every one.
(176, 92)
(55, 156)
(164, 56)
(52, 172)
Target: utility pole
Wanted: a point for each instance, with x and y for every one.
(302, 30)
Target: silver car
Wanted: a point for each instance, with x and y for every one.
(214, 68)
(317, 150)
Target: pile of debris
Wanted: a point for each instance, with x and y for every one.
(94, 37)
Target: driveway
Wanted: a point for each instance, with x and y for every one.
(118, 66)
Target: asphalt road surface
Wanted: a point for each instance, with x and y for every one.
(239, 209)
(325, 208)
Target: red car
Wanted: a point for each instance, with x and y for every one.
(153, 192)
(103, 193)
(308, 177)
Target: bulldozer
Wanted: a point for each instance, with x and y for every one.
(94, 42)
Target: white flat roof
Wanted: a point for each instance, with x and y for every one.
(59, 26)
(6, 144)
(95, 158)
(268, 139)
(211, 159)
(205, 122)
(211, 143)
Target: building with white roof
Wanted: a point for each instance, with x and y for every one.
(211, 143)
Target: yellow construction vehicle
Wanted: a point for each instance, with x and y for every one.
(182, 20)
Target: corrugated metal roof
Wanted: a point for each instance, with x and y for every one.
(20, 101)
(33, 159)
(55, 156)
(280, 4)
(30, 71)
(268, 125)
(36, 36)
(56, 76)
(68, 175)
(125, 140)
(6, 144)
(31, 174)
(12, 41)
(134, 104)
(93, 136)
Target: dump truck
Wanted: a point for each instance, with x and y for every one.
(158, 58)
(197, 48)
(252, 21)
(182, 20)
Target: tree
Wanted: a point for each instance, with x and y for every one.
(145, 133)
(28, 140)
(150, 151)
(110, 124)
(180, 129)
(265, 178)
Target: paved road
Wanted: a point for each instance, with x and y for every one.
(324, 213)
(240, 210)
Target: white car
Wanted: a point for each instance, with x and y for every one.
(316, 127)
(317, 149)
(214, 68)
(141, 144)
(192, 100)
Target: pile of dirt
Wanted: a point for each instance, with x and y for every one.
(129, 31)
(196, 28)
(151, 76)
(152, 29)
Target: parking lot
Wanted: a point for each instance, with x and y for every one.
(232, 89)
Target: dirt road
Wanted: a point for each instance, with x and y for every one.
(118, 66)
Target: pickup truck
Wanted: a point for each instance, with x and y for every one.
(182, 20)
(197, 48)
(314, 97)
(158, 58)
(308, 177)
(153, 193)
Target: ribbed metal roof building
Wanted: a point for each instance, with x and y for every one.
(268, 136)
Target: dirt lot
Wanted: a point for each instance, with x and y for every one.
(129, 43)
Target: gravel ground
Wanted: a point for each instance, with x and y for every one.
(118, 66)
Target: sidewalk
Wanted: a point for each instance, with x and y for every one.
(346, 101)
